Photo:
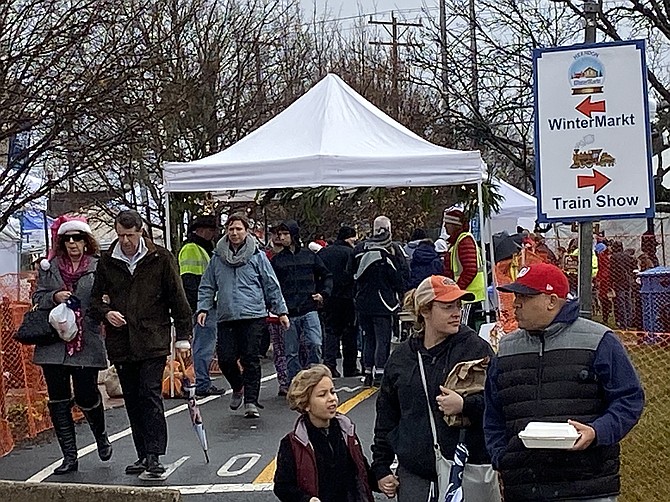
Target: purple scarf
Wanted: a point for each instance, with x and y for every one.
(70, 277)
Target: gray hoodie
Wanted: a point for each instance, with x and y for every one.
(243, 284)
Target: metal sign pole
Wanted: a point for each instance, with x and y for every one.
(585, 285)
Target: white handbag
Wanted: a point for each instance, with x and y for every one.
(480, 482)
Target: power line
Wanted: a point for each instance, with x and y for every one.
(368, 15)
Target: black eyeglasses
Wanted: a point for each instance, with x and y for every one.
(74, 237)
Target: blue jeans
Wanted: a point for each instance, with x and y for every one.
(204, 343)
(305, 330)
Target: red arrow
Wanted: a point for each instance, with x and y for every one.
(587, 107)
(598, 181)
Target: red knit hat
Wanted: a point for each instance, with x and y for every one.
(453, 217)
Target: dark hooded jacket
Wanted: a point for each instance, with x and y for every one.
(336, 257)
(402, 426)
(424, 263)
(379, 279)
(301, 274)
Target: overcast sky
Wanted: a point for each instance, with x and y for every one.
(346, 8)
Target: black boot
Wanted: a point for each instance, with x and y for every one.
(61, 416)
(154, 468)
(96, 420)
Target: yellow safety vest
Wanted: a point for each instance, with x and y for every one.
(594, 261)
(193, 259)
(478, 285)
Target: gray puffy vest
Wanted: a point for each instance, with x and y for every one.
(550, 377)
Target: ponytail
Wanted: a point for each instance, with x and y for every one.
(409, 305)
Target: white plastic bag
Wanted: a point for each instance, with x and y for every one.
(63, 319)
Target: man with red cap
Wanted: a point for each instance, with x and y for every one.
(558, 367)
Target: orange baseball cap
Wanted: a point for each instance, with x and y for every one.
(438, 288)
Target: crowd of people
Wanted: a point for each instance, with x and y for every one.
(614, 269)
(226, 296)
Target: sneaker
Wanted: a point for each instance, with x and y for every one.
(367, 381)
(282, 392)
(377, 380)
(335, 373)
(251, 411)
(236, 400)
(212, 391)
(154, 467)
(138, 467)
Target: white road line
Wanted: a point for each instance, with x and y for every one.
(49, 470)
(348, 389)
(222, 488)
(169, 469)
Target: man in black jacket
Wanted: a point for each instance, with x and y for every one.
(144, 298)
(339, 312)
(194, 256)
(305, 284)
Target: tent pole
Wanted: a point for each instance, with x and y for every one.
(480, 205)
(168, 228)
(494, 282)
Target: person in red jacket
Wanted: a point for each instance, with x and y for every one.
(463, 263)
(321, 459)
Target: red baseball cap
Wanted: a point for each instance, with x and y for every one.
(539, 278)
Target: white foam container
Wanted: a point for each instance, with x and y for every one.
(560, 436)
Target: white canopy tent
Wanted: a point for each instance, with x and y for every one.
(330, 136)
(517, 208)
(10, 246)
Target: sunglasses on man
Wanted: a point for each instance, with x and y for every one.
(74, 237)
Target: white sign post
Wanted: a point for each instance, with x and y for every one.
(592, 134)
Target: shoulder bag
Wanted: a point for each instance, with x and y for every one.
(480, 482)
(35, 329)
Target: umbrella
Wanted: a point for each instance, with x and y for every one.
(455, 487)
(194, 411)
(505, 245)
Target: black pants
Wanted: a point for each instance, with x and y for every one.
(141, 382)
(377, 331)
(241, 340)
(340, 323)
(83, 380)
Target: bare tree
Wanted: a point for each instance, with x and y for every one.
(61, 65)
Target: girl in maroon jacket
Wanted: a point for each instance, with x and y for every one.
(322, 459)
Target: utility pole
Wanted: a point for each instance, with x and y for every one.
(585, 285)
(474, 69)
(444, 54)
(394, 43)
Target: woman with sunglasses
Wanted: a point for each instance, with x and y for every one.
(74, 364)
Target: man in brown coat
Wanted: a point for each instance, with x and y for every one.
(143, 290)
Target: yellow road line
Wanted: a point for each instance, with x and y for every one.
(268, 474)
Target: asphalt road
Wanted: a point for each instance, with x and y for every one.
(241, 450)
